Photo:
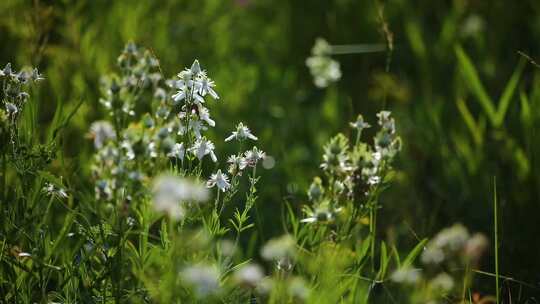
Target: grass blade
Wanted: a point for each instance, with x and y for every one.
(508, 93)
(475, 85)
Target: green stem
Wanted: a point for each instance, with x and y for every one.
(4, 172)
(496, 232)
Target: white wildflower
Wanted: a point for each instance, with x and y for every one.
(180, 95)
(253, 156)
(220, 180)
(359, 124)
(203, 147)
(197, 126)
(236, 164)
(205, 86)
(204, 114)
(242, 132)
(178, 151)
(53, 191)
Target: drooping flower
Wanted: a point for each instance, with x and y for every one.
(242, 132)
(203, 147)
(220, 180)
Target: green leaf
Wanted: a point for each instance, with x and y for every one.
(471, 124)
(508, 93)
(414, 253)
(475, 85)
(384, 262)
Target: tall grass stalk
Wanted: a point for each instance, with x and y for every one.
(496, 238)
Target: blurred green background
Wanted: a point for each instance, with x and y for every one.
(466, 102)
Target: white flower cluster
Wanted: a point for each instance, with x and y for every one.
(454, 241)
(355, 170)
(323, 68)
(13, 97)
(133, 147)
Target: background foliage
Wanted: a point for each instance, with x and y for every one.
(466, 102)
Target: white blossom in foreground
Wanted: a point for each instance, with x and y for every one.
(220, 180)
(203, 278)
(203, 147)
(171, 193)
(249, 275)
(242, 132)
(279, 248)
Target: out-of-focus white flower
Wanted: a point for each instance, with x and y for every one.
(279, 248)
(447, 242)
(407, 275)
(203, 278)
(432, 255)
(170, 193)
(242, 132)
(101, 132)
(298, 288)
(323, 68)
(443, 281)
(476, 246)
(253, 156)
(249, 274)
(203, 147)
(453, 238)
(220, 180)
(178, 151)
